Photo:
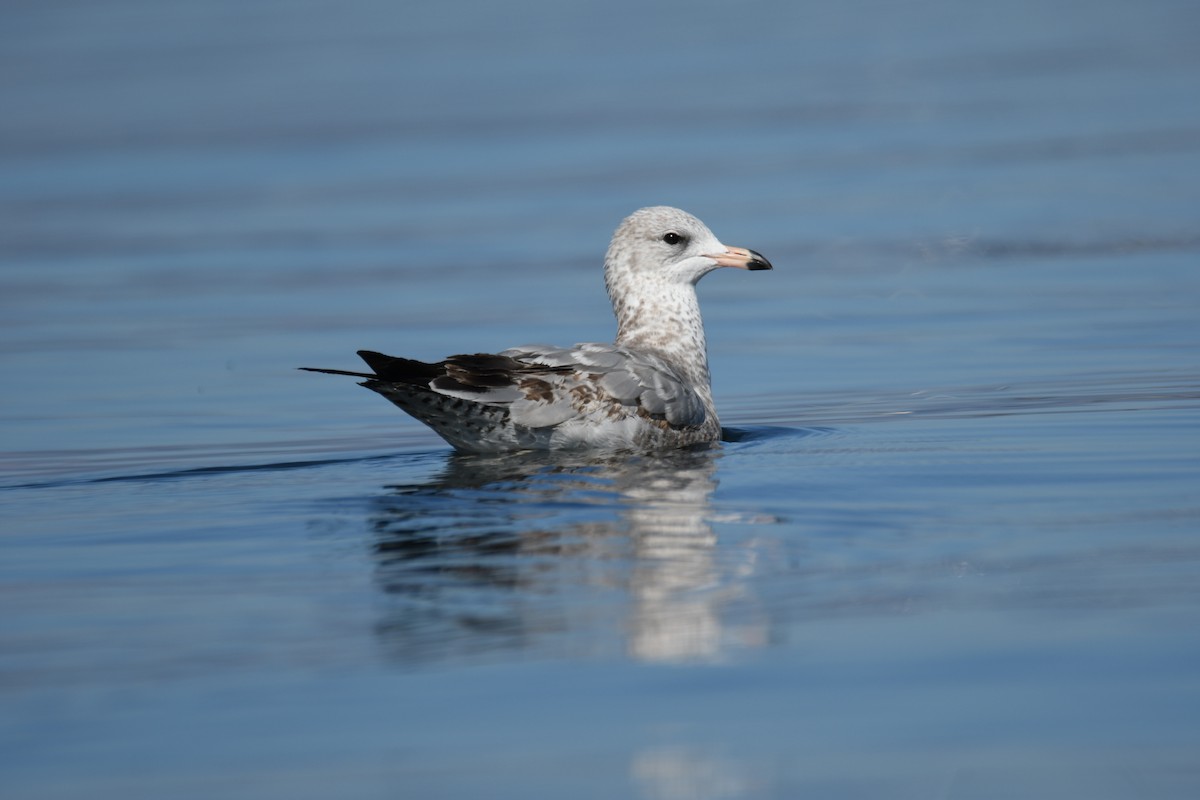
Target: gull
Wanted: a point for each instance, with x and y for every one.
(648, 390)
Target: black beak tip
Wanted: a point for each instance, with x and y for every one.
(758, 262)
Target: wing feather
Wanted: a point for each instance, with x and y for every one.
(632, 378)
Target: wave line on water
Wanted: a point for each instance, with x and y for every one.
(201, 471)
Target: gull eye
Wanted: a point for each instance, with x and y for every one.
(672, 237)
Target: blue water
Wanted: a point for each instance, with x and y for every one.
(949, 548)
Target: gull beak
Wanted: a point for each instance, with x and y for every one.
(741, 258)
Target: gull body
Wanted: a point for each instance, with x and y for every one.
(649, 389)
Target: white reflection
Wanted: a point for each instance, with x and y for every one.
(674, 579)
(682, 773)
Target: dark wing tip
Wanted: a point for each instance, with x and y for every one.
(398, 370)
(337, 372)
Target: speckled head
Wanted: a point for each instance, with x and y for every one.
(664, 244)
(656, 257)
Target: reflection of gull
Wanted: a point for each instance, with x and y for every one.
(675, 618)
(532, 551)
(648, 390)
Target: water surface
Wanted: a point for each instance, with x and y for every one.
(948, 548)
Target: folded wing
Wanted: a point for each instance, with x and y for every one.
(541, 386)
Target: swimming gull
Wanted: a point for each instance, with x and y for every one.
(648, 390)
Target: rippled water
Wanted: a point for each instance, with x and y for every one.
(948, 548)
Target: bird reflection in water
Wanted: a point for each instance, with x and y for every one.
(564, 555)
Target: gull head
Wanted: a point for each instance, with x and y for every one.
(662, 246)
(653, 263)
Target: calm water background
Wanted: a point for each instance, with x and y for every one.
(950, 551)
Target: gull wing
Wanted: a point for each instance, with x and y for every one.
(632, 381)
